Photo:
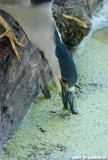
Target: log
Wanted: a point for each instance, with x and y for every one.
(20, 84)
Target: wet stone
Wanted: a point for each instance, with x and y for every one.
(101, 35)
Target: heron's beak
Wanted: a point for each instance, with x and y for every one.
(67, 97)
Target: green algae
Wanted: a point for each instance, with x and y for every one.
(68, 135)
(101, 34)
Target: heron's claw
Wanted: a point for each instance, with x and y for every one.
(74, 112)
(11, 36)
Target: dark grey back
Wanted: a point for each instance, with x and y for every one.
(40, 1)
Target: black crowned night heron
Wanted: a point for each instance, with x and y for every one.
(35, 17)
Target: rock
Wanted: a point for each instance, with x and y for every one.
(92, 4)
(72, 34)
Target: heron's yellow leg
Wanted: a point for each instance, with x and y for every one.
(11, 36)
(77, 20)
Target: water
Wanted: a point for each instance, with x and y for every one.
(99, 21)
(100, 18)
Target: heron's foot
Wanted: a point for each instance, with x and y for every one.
(77, 20)
(74, 111)
(9, 33)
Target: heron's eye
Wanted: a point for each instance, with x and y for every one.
(63, 80)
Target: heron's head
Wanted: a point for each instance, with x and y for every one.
(68, 77)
